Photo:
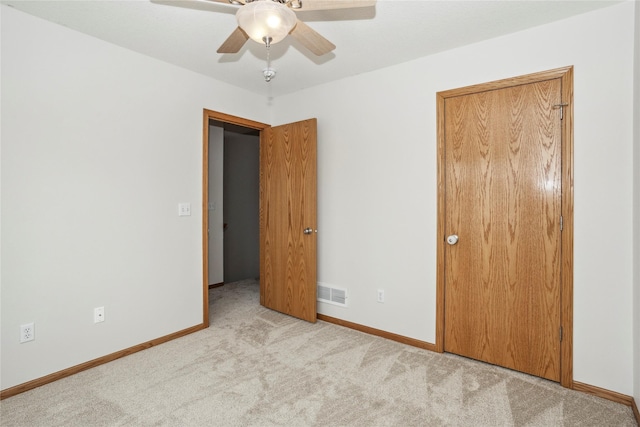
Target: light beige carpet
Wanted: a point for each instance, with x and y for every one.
(256, 367)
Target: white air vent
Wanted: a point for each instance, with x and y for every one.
(332, 295)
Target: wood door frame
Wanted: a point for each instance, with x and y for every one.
(224, 118)
(566, 267)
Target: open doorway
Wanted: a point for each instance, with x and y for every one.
(215, 125)
(287, 214)
(233, 206)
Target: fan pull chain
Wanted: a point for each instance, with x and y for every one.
(268, 73)
(268, 55)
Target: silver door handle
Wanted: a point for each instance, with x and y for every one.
(453, 239)
(308, 230)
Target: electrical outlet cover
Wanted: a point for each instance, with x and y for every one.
(27, 332)
(98, 314)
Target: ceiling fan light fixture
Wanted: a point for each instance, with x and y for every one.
(262, 19)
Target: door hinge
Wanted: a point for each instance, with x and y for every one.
(560, 333)
(561, 223)
(561, 107)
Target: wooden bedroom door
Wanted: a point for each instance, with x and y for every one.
(288, 219)
(502, 241)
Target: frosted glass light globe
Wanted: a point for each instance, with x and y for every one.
(266, 18)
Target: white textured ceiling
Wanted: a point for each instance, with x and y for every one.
(187, 33)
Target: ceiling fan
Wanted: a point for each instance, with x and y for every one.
(269, 21)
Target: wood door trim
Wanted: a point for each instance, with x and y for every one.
(566, 274)
(224, 118)
(566, 270)
(508, 82)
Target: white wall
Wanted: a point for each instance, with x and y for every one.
(99, 145)
(636, 210)
(216, 205)
(377, 181)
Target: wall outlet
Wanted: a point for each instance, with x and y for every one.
(98, 314)
(27, 332)
(380, 295)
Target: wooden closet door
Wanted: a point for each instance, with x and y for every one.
(503, 200)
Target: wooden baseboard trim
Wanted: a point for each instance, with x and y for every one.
(609, 395)
(604, 393)
(378, 332)
(216, 285)
(21, 388)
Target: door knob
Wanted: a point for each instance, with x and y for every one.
(308, 230)
(453, 239)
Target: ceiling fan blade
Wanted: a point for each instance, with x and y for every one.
(332, 4)
(236, 2)
(234, 42)
(311, 39)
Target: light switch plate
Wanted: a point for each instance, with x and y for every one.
(184, 209)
